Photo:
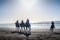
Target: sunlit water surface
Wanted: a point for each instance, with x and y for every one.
(33, 26)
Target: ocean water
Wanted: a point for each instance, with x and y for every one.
(33, 26)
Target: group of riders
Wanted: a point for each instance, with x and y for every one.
(27, 27)
(23, 26)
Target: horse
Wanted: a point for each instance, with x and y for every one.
(17, 25)
(52, 26)
(28, 26)
(22, 25)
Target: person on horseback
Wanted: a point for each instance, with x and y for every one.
(52, 26)
(17, 25)
(22, 25)
(28, 26)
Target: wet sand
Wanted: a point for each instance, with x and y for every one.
(36, 35)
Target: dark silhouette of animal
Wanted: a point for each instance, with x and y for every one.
(28, 26)
(52, 26)
(17, 23)
(22, 25)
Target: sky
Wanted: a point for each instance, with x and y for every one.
(34, 10)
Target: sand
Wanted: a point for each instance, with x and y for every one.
(36, 35)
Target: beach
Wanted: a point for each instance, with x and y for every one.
(38, 32)
(35, 35)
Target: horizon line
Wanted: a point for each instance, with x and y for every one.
(30, 22)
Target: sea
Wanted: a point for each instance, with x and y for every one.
(34, 26)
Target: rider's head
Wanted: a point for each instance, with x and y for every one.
(17, 20)
(22, 21)
(52, 22)
(27, 20)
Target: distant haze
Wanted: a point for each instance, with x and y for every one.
(35, 10)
